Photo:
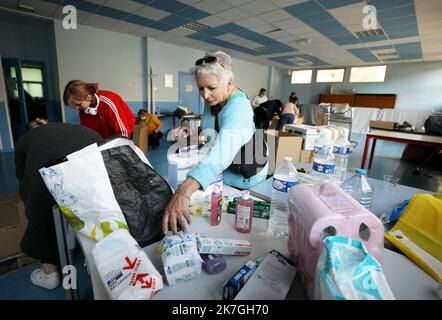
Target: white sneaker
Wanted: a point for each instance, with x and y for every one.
(48, 281)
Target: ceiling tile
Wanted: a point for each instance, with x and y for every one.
(264, 28)
(233, 15)
(99, 21)
(152, 13)
(189, 2)
(250, 22)
(286, 3)
(213, 21)
(275, 15)
(289, 23)
(258, 7)
(213, 7)
(127, 5)
(237, 3)
(180, 32)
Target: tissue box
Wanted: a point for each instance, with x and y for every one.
(271, 280)
(223, 246)
(316, 211)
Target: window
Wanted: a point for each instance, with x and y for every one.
(332, 75)
(368, 74)
(302, 76)
(33, 81)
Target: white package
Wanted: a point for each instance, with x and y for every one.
(271, 281)
(180, 257)
(125, 269)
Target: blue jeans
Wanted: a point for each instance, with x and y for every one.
(286, 118)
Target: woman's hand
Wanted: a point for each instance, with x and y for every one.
(177, 211)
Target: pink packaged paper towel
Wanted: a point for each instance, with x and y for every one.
(316, 211)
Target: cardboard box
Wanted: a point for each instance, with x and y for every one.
(274, 123)
(288, 145)
(271, 280)
(235, 284)
(10, 235)
(280, 145)
(306, 156)
(223, 246)
(23, 221)
(299, 120)
(140, 137)
(386, 125)
(13, 223)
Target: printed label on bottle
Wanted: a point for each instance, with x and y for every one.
(243, 220)
(283, 186)
(321, 150)
(341, 150)
(324, 168)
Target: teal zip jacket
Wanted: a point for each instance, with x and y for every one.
(236, 128)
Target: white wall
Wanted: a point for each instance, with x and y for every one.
(170, 58)
(276, 87)
(418, 86)
(114, 60)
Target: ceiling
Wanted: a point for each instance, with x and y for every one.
(272, 32)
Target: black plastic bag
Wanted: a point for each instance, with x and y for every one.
(140, 191)
(433, 125)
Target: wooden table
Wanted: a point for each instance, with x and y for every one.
(401, 137)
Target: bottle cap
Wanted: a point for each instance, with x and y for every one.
(361, 171)
(245, 194)
(287, 158)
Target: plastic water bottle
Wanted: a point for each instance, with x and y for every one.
(283, 179)
(323, 166)
(341, 151)
(360, 188)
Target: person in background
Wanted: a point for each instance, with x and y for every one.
(298, 104)
(102, 111)
(260, 98)
(35, 149)
(289, 112)
(234, 124)
(154, 127)
(264, 113)
(36, 122)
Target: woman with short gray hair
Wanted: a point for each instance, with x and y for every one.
(234, 124)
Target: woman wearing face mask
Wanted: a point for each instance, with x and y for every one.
(154, 127)
(236, 132)
(102, 111)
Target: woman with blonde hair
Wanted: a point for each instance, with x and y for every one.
(228, 156)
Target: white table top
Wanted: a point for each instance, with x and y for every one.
(406, 280)
(383, 201)
(406, 136)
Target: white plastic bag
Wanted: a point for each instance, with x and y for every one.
(125, 269)
(346, 271)
(82, 189)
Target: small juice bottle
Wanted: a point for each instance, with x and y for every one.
(244, 213)
(216, 206)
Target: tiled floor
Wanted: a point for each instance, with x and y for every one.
(16, 285)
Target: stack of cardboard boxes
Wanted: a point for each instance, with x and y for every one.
(13, 224)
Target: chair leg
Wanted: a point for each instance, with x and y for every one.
(419, 169)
